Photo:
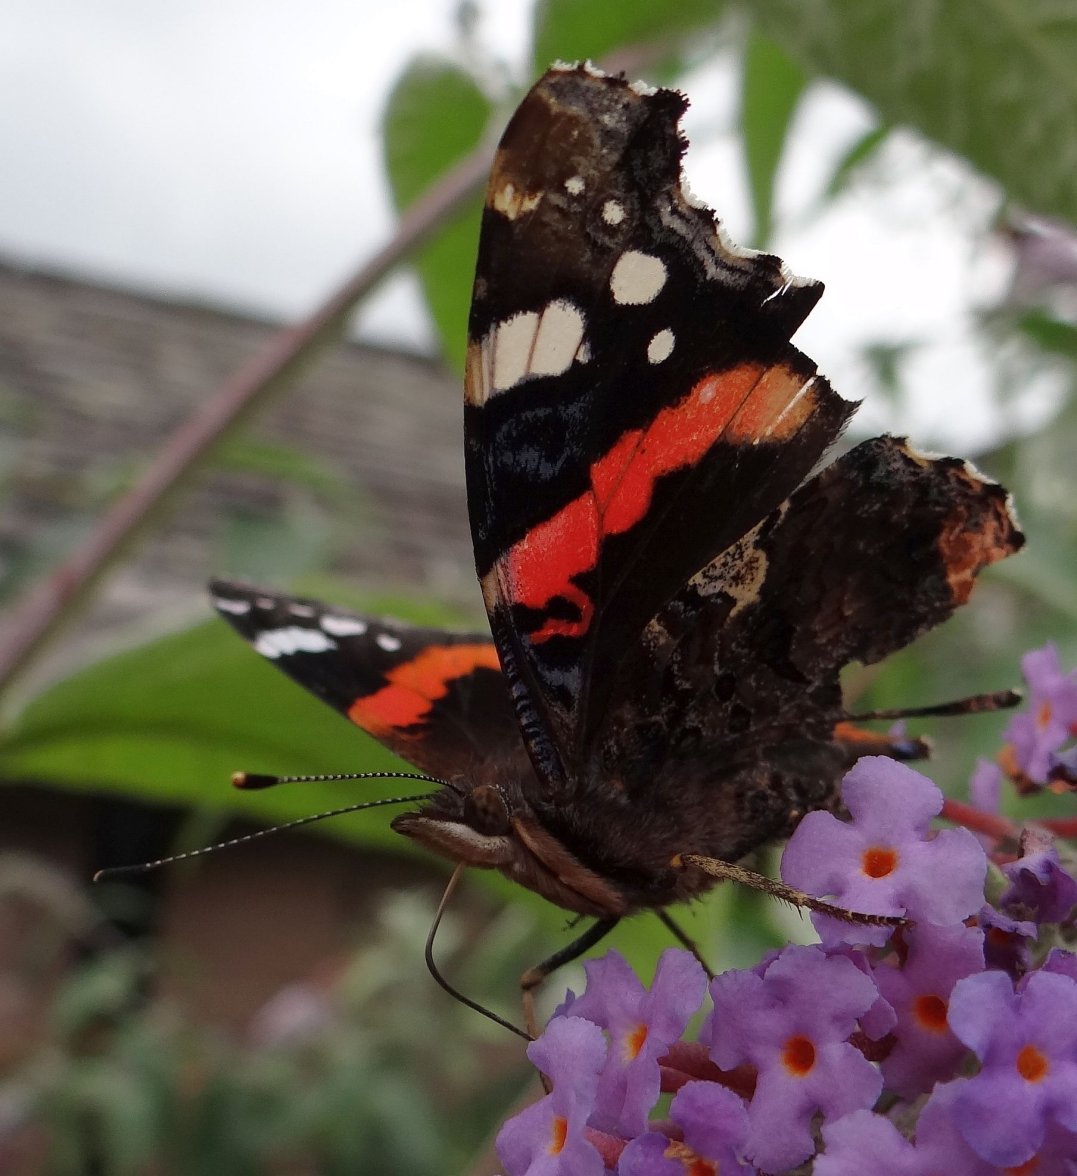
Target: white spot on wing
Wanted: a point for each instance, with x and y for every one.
(560, 333)
(637, 278)
(536, 344)
(343, 626)
(388, 642)
(300, 610)
(275, 643)
(613, 212)
(661, 346)
(236, 607)
(574, 185)
(512, 349)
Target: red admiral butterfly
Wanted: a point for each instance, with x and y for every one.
(671, 602)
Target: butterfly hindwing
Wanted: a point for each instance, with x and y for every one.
(436, 699)
(747, 656)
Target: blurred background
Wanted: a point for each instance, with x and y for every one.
(181, 182)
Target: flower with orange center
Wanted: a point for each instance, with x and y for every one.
(558, 1135)
(710, 1122)
(1026, 1042)
(1032, 1063)
(877, 861)
(550, 1136)
(1033, 737)
(930, 1013)
(798, 1056)
(633, 1042)
(642, 1025)
(793, 1024)
(923, 1051)
(692, 1164)
(887, 859)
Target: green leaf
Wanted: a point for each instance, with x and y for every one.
(994, 80)
(295, 539)
(857, 155)
(436, 114)
(286, 463)
(575, 30)
(1049, 333)
(771, 88)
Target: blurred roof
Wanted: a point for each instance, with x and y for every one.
(361, 461)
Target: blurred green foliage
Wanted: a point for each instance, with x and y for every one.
(166, 722)
(367, 1072)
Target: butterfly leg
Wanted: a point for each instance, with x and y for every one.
(533, 977)
(685, 940)
(857, 741)
(727, 871)
(976, 704)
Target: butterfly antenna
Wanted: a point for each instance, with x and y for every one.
(433, 968)
(256, 781)
(975, 704)
(146, 867)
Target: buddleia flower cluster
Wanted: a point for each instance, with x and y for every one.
(948, 1045)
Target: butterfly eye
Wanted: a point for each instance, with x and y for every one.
(485, 810)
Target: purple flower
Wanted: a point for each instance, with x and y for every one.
(885, 861)
(865, 1142)
(1058, 1153)
(792, 1024)
(925, 1050)
(547, 1138)
(880, 1019)
(1060, 961)
(714, 1124)
(1062, 769)
(1051, 718)
(642, 1026)
(1027, 1045)
(1040, 889)
(1007, 941)
(985, 786)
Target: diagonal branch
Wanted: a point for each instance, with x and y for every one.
(53, 599)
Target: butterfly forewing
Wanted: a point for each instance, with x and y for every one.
(633, 403)
(436, 699)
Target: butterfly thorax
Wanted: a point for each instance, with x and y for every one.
(489, 823)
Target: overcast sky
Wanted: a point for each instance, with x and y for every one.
(227, 150)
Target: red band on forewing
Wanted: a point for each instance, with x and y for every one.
(777, 406)
(413, 687)
(732, 403)
(541, 565)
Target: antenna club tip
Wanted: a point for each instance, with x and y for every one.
(252, 781)
(98, 875)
